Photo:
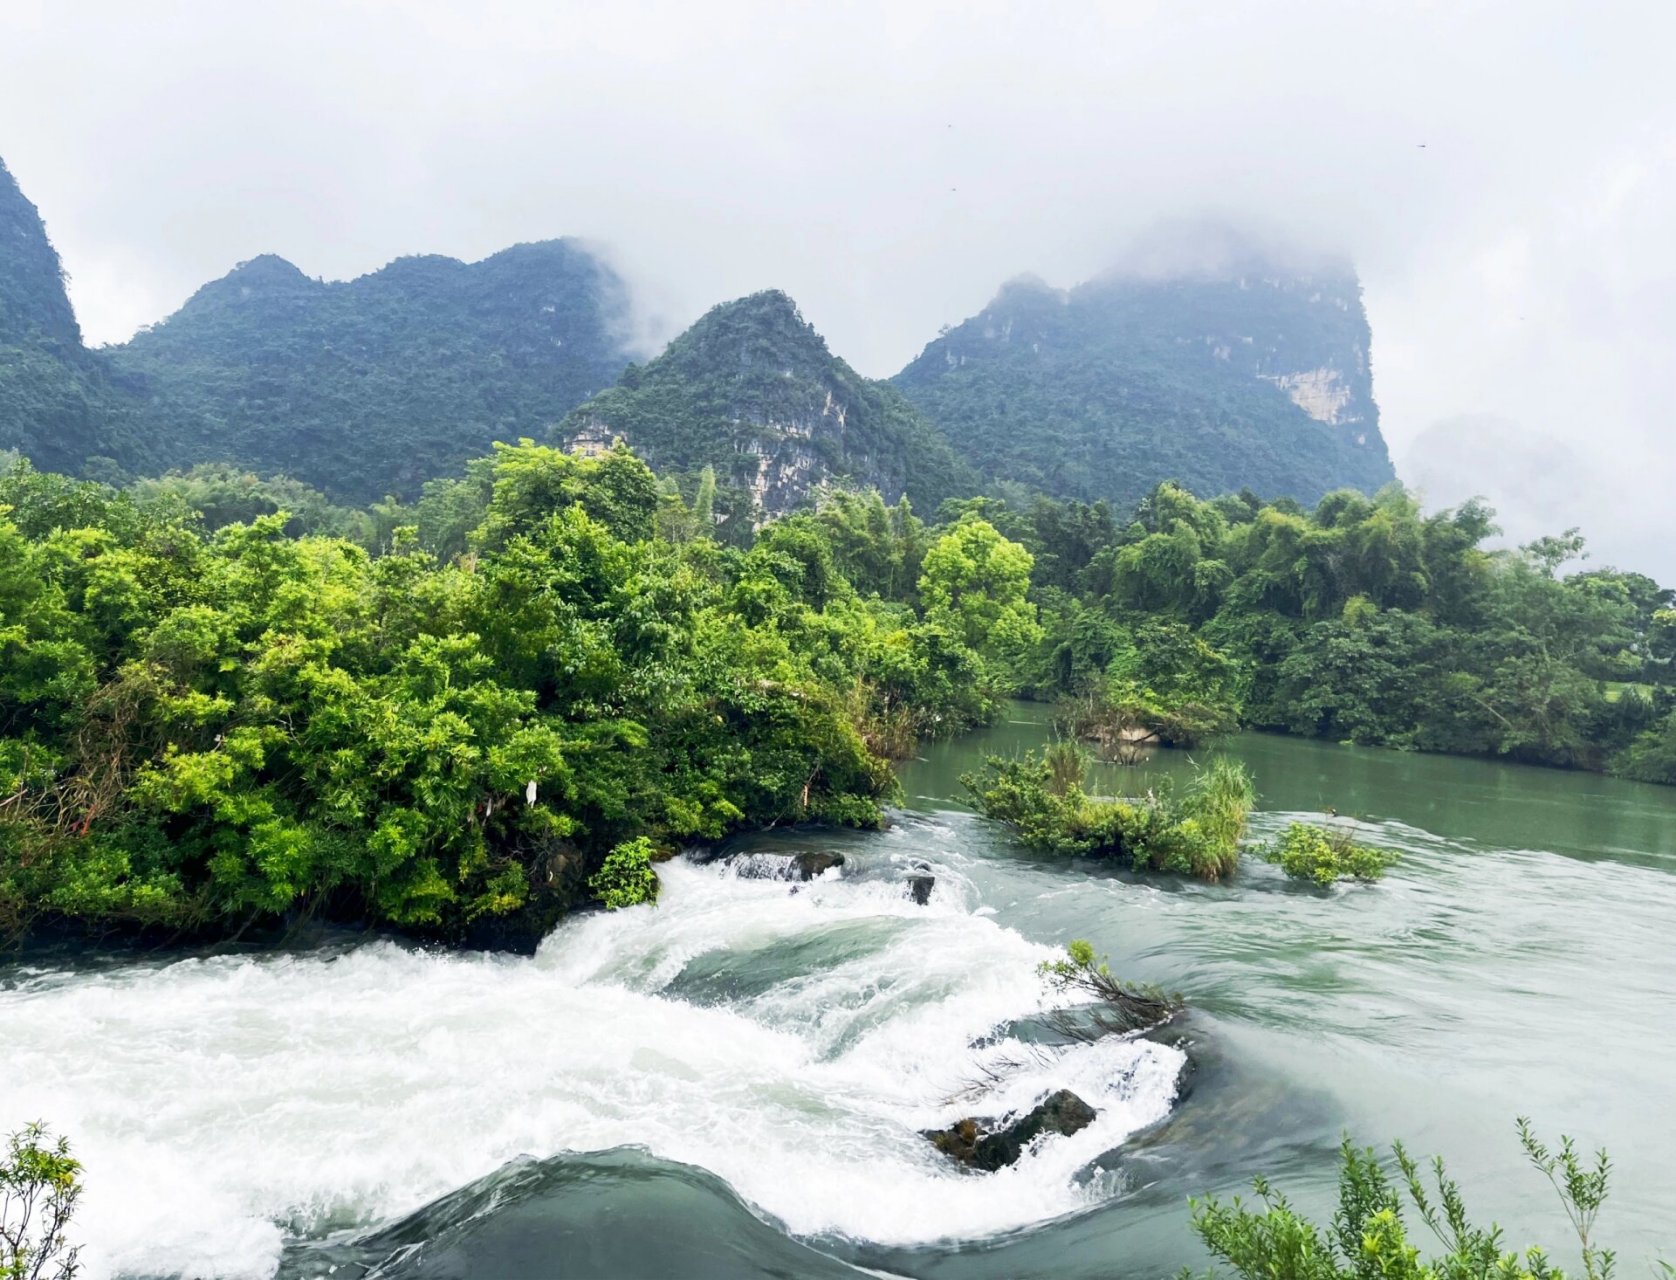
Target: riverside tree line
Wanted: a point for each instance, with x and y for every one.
(227, 704)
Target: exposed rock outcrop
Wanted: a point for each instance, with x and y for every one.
(752, 391)
(972, 1143)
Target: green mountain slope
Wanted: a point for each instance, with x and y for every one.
(377, 384)
(1251, 378)
(752, 390)
(58, 404)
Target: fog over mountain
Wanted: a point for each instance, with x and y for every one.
(1500, 173)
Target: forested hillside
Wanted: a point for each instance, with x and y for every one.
(1250, 378)
(752, 391)
(375, 385)
(57, 401)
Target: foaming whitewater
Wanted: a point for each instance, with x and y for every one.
(792, 1039)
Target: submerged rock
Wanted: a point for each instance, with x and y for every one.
(920, 887)
(810, 865)
(969, 1143)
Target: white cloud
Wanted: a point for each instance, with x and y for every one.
(889, 164)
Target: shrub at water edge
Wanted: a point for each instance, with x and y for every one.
(1308, 852)
(626, 878)
(1041, 797)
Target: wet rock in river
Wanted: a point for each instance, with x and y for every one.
(920, 887)
(810, 865)
(969, 1143)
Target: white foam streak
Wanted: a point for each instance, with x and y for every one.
(218, 1103)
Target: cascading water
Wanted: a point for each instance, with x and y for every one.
(793, 1039)
(666, 1092)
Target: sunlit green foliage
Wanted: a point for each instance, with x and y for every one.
(1305, 851)
(626, 878)
(1042, 798)
(1369, 1235)
(204, 727)
(976, 583)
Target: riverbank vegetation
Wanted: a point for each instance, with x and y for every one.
(210, 725)
(226, 703)
(1363, 620)
(1370, 1236)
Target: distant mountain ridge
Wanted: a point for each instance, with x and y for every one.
(375, 385)
(1248, 376)
(752, 390)
(1226, 370)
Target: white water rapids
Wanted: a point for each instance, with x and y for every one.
(793, 1042)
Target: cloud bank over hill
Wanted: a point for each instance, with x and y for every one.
(1501, 173)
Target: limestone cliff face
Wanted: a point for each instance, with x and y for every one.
(1246, 376)
(752, 390)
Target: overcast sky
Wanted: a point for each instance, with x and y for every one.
(1504, 174)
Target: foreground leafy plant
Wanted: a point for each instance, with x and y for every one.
(40, 1183)
(1368, 1236)
(1308, 852)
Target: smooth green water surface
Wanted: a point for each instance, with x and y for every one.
(1518, 960)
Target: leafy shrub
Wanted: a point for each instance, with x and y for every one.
(40, 1183)
(1041, 797)
(1369, 1237)
(626, 879)
(1308, 852)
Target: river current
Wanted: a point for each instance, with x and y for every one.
(733, 1083)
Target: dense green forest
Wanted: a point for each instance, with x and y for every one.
(60, 403)
(1255, 380)
(752, 392)
(373, 387)
(203, 729)
(363, 389)
(1362, 620)
(225, 700)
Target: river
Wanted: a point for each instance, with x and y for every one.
(732, 1083)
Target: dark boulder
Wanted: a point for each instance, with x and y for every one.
(809, 865)
(970, 1143)
(920, 887)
